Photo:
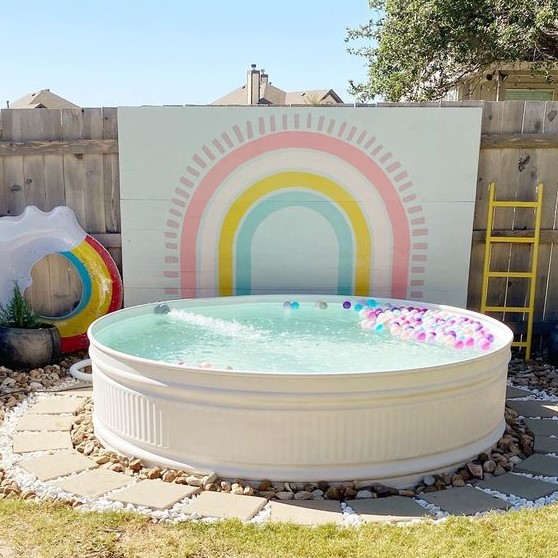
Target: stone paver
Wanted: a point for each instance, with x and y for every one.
(39, 441)
(33, 422)
(393, 508)
(513, 392)
(523, 487)
(539, 465)
(226, 506)
(57, 405)
(307, 512)
(464, 500)
(58, 464)
(94, 483)
(542, 427)
(79, 392)
(546, 444)
(541, 409)
(154, 494)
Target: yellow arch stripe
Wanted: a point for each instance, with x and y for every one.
(280, 181)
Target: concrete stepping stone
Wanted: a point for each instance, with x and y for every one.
(94, 483)
(76, 392)
(538, 464)
(541, 409)
(57, 405)
(514, 393)
(154, 494)
(546, 444)
(523, 487)
(60, 464)
(307, 512)
(226, 506)
(542, 427)
(464, 500)
(392, 508)
(34, 422)
(41, 441)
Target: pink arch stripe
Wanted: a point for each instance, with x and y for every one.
(303, 140)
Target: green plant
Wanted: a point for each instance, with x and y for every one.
(18, 313)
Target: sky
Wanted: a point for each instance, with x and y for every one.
(170, 52)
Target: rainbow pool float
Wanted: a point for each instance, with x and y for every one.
(34, 234)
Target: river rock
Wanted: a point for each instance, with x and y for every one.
(475, 469)
(284, 495)
(303, 495)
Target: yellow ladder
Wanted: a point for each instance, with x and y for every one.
(528, 309)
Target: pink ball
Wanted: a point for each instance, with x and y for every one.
(485, 344)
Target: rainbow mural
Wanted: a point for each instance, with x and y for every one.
(278, 163)
(220, 201)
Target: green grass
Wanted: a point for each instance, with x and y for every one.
(50, 530)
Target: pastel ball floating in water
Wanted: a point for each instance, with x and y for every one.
(346, 304)
(358, 307)
(287, 304)
(295, 305)
(371, 303)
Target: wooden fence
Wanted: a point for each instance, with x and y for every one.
(62, 157)
(70, 157)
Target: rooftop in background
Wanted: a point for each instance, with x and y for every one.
(258, 90)
(42, 99)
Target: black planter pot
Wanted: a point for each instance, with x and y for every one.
(29, 348)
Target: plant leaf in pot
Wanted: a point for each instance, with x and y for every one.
(25, 342)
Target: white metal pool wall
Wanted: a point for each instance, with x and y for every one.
(392, 427)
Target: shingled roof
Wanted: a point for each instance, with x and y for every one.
(42, 99)
(271, 95)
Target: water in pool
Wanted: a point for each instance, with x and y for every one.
(269, 337)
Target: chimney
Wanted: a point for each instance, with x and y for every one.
(253, 86)
(264, 76)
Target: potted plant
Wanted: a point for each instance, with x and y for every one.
(25, 341)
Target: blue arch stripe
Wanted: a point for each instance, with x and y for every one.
(85, 285)
(306, 199)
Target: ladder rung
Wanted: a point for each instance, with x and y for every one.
(515, 204)
(520, 309)
(512, 239)
(517, 274)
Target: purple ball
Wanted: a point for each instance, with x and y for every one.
(346, 304)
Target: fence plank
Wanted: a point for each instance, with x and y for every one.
(527, 180)
(489, 165)
(92, 127)
(547, 296)
(77, 147)
(520, 140)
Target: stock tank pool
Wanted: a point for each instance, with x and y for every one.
(300, 387)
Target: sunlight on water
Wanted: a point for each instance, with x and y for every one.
(266, 337)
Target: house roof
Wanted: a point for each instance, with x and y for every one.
(42, 99)
(310, 97)
(272, 95)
